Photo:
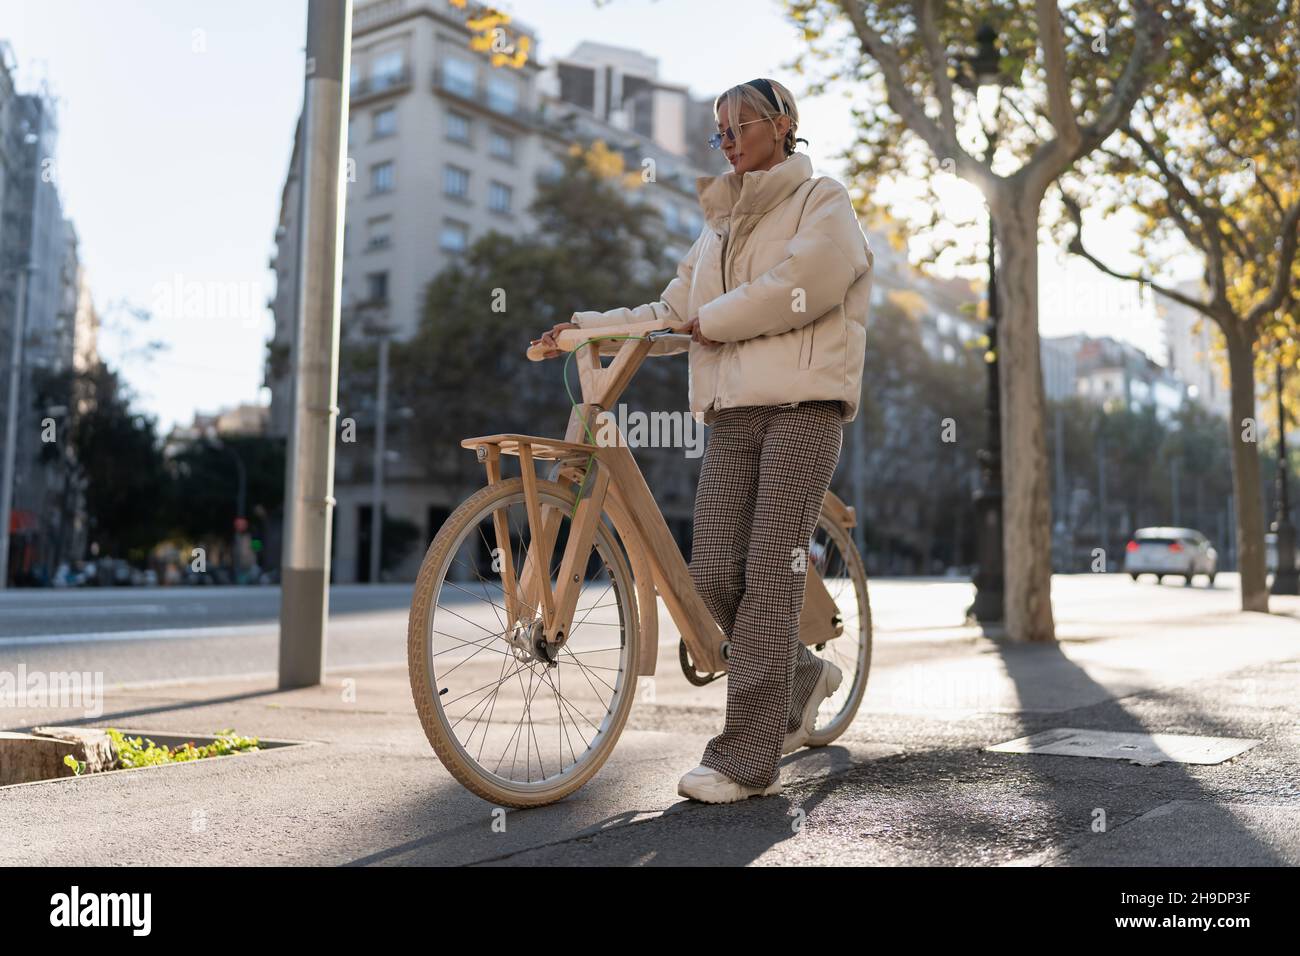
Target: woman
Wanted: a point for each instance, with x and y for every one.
(774, 293)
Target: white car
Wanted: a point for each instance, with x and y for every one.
(1178, 551)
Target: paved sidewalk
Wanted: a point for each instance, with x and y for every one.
(910, 783)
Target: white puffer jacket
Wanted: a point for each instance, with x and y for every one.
(781, 276)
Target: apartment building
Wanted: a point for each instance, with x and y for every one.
(1190, 338)
(1114, 373)
(40, 272)
(1058, 357)
(443, 147)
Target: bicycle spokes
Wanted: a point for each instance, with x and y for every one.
(523, 709)
(846, 650)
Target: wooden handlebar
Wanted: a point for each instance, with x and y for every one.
(570, 339)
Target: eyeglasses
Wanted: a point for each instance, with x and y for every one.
(716, 139)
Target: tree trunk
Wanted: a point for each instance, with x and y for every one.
(1026, 505)
(1245, 470)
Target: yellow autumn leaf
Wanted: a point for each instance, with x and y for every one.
(488, 21)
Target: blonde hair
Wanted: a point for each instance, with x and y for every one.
(751, 95)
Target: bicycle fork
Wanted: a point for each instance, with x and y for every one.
(537, 613)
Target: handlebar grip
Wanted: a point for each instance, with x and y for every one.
(570, 339)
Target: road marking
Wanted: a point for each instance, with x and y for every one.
(93, 637)
(108, 609)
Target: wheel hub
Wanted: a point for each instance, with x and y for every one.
(528, 644)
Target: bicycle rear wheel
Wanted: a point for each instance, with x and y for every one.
(844, 574)
(508, 722)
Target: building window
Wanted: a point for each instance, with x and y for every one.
(499, 197)
(502, 95)
(377, 287)
(386, 70)
(553, 170)
(578, 85)
(502, 145)
(457, 126)
(383, 122)
(379, 233)
(381, 177)
(455, 182)
(454, 236)
(458, 76)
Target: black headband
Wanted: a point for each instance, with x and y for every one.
(764, 87)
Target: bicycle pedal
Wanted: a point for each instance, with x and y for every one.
(695, 677)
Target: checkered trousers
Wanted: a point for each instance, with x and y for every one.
(765, 472)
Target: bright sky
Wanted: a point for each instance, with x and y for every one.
(176, 122)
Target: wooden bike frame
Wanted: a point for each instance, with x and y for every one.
(608, 480)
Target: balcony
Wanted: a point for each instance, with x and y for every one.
(373, 15)
(479, 97)
(369, 88)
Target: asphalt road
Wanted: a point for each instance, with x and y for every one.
(143, 635)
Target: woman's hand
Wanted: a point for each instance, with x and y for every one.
(548, 338)
(693, 327)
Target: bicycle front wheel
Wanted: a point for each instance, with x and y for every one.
(510, 723)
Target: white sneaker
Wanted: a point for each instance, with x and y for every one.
(711, 786)
(827, 684)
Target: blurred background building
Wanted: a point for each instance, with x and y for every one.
(40, 272)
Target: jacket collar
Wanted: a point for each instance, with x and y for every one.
(722, 197)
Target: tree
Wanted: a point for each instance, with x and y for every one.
(593, 248)
(917, 500)
(915, 107)
(204, 487)
(120, 464)
(1208, 162)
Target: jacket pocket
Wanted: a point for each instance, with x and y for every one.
(806, 345)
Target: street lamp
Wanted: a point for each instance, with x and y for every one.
(980, 74)
(1285, 578)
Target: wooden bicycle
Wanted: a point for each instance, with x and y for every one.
(536, 607)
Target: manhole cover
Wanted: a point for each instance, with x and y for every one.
(1145, 749)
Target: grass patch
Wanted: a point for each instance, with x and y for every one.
(133, 752)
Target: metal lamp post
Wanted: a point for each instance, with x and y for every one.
(309, 478)
(981, 70)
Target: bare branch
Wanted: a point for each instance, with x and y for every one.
(1282, 275)
(1210, 241)
(1239, 156)
(1077, 247)
(941, 142)
(925, 23)
(1148, 51)
(1051, 37)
